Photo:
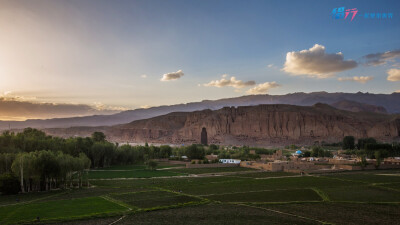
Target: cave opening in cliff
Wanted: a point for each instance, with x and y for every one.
(203, 137)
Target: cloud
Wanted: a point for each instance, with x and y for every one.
(102, 107)
(144, 76)
(315, 62)
(398, 91)
(393, 75)
(262, 88)
(14, 107)
(229, 82)
(360, 79)
(377, 59)
(172, 76)
(270, 65)
(145, 106)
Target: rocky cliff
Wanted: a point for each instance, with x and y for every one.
(262, 125)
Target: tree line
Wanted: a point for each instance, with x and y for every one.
(370, 148)
(39, 162)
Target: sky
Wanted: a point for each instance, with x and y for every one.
(101, 57)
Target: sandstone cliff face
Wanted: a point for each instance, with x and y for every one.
(263, 125)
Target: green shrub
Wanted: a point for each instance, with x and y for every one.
(152, 165)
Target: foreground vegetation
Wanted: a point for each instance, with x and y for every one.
(238, 196)
(92, 181)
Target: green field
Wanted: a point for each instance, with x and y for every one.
(152, 199)
(59, 209)
(268, 196)
(218, 196)
(109, 174)
(211, 170)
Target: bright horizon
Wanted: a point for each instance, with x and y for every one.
(98, 57)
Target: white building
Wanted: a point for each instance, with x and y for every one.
(234, 161)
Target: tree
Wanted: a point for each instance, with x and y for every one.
(306, 154)
(98, 136)
(213, 147)
(165, 151)
(195, 152)
(348, 142)
(318, 151)
(9, 184)
(363, 160)
(152, 165)
(378, 158)
(364, 141)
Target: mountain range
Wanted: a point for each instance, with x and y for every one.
(383, 103)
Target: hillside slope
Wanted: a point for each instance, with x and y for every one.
(263, 125)
(391, 102)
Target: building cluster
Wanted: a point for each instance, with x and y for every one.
(278, 162)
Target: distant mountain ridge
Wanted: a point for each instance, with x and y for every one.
(391, 102)
(358, 107)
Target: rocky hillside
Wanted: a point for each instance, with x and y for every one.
(262, 125)
(391, 102)
(358, 107)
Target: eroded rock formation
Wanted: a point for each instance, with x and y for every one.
(263, 125)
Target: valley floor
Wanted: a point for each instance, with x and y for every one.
(175, 195)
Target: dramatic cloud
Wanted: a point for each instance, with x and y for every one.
(360, 79)
(18, 108)
(315, 62)
(377, 59)
(262, 88)
(393, 75)
(230, 82)
(172, 76)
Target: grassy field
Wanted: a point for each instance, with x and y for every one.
(152, 199)
(59, 209)
(291, 195)
(109, 174)
(211, 170)
(135, 171)
(342, 213)
(218, 196)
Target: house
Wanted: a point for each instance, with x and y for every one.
(211, 157)
(297, 153)
(234, 161)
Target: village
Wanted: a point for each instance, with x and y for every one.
(297, 163)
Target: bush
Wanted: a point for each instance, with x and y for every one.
(9, 184)
(348, 142)
(152, 165)
(193, 162)
(195, 152)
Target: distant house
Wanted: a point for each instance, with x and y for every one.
(234, 161)
(211, 157)
(297, 153)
